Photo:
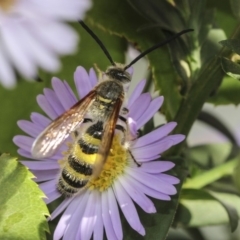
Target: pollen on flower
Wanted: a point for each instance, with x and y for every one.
(6, 4)
(114, 166)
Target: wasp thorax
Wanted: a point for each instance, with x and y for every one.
(119, 74)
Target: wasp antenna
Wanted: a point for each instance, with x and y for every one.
(95, 37)
(156, 46)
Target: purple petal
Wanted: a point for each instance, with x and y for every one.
(177, 138)
(39, 119)
(46, 175)
(57, 156)
(48, 187)
(61, 207)
(107, 218)
(152, 181)
(62, 93)
(157, 147)
(52, 196)
(136, 92)
(156, 166)
(46, 107)
(75, 213)
(52, 99)
(152, 109)
(145, 189)
(98, 230)
(82, 82)
(155, 135)
(128, 208)
(147, 159)
(114, 214)
(30, 128)
(70, 213)
(70, 91)
(93, 78)
(89, 218)
(168, 178)
(26, 154)
(151, 150)
(136, 111)
(41, 165)
(23, 142)
(130, 70)
(144, 202)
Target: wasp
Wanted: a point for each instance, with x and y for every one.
(92, 122)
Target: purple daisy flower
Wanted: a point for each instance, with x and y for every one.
(29, 34)
(121, 183)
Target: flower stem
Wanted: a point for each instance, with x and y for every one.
(208, 81)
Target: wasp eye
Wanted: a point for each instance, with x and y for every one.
(119, 74)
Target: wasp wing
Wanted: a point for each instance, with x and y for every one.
(48, 141)
(107, 138)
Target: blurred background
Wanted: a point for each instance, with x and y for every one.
(199, 79)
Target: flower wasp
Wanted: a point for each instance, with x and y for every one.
(92, 122)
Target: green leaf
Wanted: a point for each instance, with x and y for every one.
(235, 6)
(209, 155)
(158, 13)
(90, 52)
(236, 177)
(223, 17)
(201, 208)
(231, 68)
(231, 211)
(210, 176)
(233, 44)
(22, 208)
(211, 44)
(228, 93)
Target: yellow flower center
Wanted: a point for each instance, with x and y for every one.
(6, 5)
(114, 166)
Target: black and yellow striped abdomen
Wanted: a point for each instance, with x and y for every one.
(78, 164)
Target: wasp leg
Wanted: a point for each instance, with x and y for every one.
(138, 164)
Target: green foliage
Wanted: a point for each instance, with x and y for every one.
(228, 92)
(203, 208)
(23, 212)
(201, 194)
(231, 68)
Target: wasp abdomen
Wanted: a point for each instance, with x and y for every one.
(87, 148)
(67, 186)
(72, 180)
(79, 166)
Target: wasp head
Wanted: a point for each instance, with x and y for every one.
(118, 73)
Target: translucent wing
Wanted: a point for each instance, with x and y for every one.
(48, 141)
(107, 138)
